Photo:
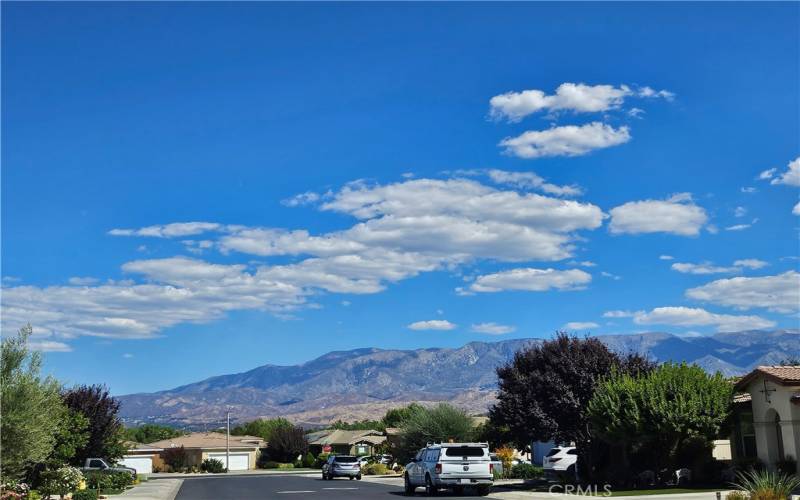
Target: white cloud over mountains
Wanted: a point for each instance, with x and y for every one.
(576, 97)
(492, 328)
(433, 324)
(694, 317)
(676, 215)
(779, 293)
(566, 140)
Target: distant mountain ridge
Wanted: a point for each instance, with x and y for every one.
(363, 383)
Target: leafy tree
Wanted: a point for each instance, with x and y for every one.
(31, 406)
(262, 427)
(441, 423)
(396, 416)
(664, 414)
(105, 429)
(286, 444)
(150, 433)
(545, 389)
(496, 435)
(361, 425)
(71, 435)
(176, 458)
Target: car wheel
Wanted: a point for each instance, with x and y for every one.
(358, 477)
(484, 490)
(430, 489)
(408, 488)
(458, 490)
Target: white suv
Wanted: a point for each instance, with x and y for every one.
(452, 466)
(560, 461)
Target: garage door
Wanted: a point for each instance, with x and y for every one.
(239, 461)
(143, 465)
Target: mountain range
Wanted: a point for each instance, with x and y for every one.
(364, 383)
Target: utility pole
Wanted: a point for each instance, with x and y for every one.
(228, 442)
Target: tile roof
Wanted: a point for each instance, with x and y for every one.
(210, 440)
(783, 375)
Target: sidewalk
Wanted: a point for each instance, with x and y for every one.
(153, 489)
(251, 472)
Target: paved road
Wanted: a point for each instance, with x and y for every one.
(288, 487)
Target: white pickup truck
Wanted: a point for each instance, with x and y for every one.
(453, 466)
(98, 464)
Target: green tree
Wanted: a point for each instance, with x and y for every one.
(664, 414)
(106, 436)
(31, 405)
(262, 427)
(71, 435)
(150, 433)
(286, 444)
(396, 416)
(441, 423)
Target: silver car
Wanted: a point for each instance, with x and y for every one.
(453, 466)
(341, 466)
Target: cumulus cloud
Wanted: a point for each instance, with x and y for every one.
(690, 317)
(796, 209)
(739, 212)
(433, 324)
(174, 230)
(704, 268)
(306, 198)
(82, 281)
(621, 314)
(492, 328)
(567, 140)
(576, 97)
(666, 257)
(530, 180)
(779, 293)
(580, 325)
(750, 263)
(675, 215)
(532, 280)
(790, 177)
(48, 346)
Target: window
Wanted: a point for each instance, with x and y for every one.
(346, 459)
(464, 451)
(96, 463)
(553, 452)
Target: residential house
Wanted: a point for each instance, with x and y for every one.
(767, 415)
(142, 457)
(347, 442)
(244, 450)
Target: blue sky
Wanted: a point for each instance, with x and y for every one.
(196, 189)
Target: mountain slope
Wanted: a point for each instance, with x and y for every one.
(363, 383)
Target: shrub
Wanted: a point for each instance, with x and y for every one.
(277, 465)
(737, 495)
(98, 480)
(176, 458)
(309, 460)
(60, 481)
(85, 495)
(321, 459)
(212, 465)
(287, 443)
(506, 456)
(526, 471)
(120, 480)
(767, 485)
(375, 469)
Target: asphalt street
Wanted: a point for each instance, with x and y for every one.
(288, 487)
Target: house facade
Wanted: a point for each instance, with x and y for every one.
(346, 442)
(767, 415)
(142, 457)
(244, 450)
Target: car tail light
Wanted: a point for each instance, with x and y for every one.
(438, 468)
(491, 468)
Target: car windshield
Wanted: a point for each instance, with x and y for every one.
(464, 451)
(346, 459)
(553, 452)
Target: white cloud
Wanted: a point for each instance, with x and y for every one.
(306, 198)
(174, 230)
(704, 268)
(82, 281)
(748, 190)
(796, 209)
(742, 227)
(621, 314)
(127, 355)
(433, 324)
(675, 215)
(607, 274)
(689, 317)
(48, 346)
(580, 325)
(791, 177)
(779, 293)
(739, 212)
(530, 180)
(666, 257)
(492, 328)
(532, 280)
(576, 97)
(567, 140)
(767, 174)
(750, 263)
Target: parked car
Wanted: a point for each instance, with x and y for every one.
(365, 460)
(453, 466)
(560, 461)
(497, 464)
(341, 466)
(98, 464)
(384, 459)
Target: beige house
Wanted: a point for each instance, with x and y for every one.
(347, 442)
(768, 414)
(142, 457)
(244, 450)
